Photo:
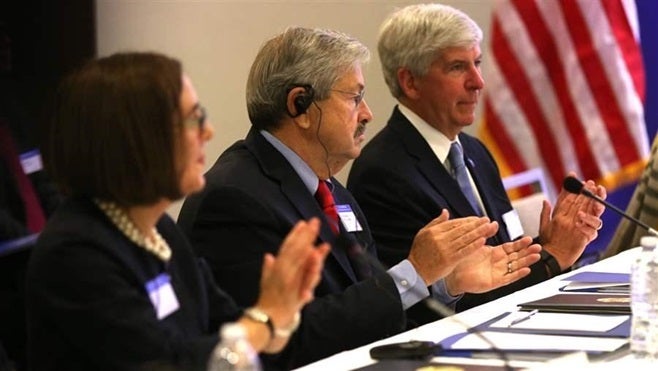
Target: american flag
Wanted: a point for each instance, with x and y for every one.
(565, 90)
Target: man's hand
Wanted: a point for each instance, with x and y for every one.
(493, 267)
(575, 223)
(442, 244)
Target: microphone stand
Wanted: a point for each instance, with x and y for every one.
(433, 304)
(574, 185)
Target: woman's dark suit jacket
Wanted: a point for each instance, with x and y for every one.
(88, 307)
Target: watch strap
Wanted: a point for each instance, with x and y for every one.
(551, 263)
(258, 315)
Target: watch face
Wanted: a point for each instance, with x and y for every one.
(257, 315)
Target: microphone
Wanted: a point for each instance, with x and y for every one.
(574, 185)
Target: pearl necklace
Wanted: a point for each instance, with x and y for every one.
(157, 246)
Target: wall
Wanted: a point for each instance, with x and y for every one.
(217, 41)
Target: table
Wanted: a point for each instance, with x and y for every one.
(436, 331)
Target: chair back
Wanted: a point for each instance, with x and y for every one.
(527, 190)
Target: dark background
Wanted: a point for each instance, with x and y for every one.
(40, 41)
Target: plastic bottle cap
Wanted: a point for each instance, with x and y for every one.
(649, 241)
(232, 331)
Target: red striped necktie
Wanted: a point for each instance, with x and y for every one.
(354, 251)
(328, 205)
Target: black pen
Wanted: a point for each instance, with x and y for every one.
(524, 318)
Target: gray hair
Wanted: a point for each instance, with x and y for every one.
(298, 57)
(413, 37)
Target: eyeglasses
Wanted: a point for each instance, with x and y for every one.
(197, 119)
(358, 97)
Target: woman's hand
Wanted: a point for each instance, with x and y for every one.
(289, 279)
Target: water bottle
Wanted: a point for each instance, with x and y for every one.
(644, 301)
(234, 352)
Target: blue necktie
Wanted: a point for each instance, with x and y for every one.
(456, 158)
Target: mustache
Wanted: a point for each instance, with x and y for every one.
(360, 129)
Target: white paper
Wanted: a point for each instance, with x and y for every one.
(580, 286)
(562, 321)
(513, 223)
(517, 341)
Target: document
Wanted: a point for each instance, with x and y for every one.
(582, 303)
(542, 321)
(414, 364)
(612, 288)
(511, 341)
(601, 277)
(598, 282)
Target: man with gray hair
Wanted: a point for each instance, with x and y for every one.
(305, 101)
(422, 163)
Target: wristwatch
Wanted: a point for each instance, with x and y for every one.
(258, 315)
(551, 263)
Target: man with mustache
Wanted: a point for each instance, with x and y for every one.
(422, 163)
(305, 101)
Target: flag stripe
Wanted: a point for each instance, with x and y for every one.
(550, 58)
(598, 81)
(565, 86)
(622, 80)
(543, 91)
(631, 54)
(515, 160)
(520, 86)
(595, 137)
(628, 98)
(513, 132)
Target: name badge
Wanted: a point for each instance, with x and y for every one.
(348, 218)
(31, 161)
(513, 223)
(162, 295)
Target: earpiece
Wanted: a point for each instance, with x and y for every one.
(302, 101)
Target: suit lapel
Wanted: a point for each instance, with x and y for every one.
(276, 167)
(429, 166)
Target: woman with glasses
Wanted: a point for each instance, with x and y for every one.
(112, 284)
